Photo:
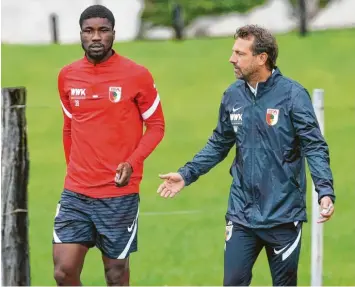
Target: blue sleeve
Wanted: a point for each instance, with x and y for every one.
(313, 144)
(216, 149)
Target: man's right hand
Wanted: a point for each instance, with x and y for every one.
(173, 183)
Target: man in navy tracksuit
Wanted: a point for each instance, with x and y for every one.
(271, 120)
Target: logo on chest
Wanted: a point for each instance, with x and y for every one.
(236, 117)
(77, 93)
(272, 116)
(114, 94)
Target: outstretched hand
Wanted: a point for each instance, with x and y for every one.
(173, 184)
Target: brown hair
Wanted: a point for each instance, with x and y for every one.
(264, 42)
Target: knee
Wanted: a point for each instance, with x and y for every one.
(115, 275)
(64, 274)
(237, 278)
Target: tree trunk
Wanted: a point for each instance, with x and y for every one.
(303, 17)
(14, 180)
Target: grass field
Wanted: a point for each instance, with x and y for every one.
(187, 249)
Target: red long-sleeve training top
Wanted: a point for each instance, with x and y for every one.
(104, 108)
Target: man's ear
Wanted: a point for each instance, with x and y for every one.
(263, 58)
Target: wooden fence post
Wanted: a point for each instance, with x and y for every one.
(14, 180)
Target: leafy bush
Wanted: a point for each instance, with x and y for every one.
(322, 3)
(159, 11)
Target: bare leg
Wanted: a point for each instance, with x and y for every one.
(68, 261)
(116, 271)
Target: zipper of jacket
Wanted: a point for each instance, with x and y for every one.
(94, 81)
(253, 156)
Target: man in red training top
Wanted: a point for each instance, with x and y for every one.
(105, 99)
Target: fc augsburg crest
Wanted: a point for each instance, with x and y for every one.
(115, 94)
(272, 116)
(229, 230)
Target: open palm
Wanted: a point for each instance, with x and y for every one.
(173, 183)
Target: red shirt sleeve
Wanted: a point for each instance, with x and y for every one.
(149, 105)
(65, 102)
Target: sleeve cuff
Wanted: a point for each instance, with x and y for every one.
(329, 193)
(132, 164)
(184, 176)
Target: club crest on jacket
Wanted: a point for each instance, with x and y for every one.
(115, 94)
(272, 116)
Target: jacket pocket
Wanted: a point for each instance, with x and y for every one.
(292, 175)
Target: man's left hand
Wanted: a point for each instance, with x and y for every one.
(327, 209)
(123, 174)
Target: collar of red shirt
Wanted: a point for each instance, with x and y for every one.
(110, 60)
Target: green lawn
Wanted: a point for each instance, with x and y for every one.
(187, 249)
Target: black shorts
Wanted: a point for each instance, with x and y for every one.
(110, 224)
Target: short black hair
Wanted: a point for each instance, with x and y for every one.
(97, 11)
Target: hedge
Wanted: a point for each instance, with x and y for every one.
(158, 12)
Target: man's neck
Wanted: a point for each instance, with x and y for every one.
(261, 76)
(95, 62)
